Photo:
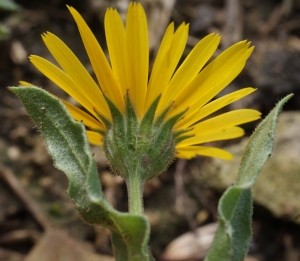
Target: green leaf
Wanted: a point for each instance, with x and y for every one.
(68, 145)
(9, 5)
(233, 236)
(259, 148)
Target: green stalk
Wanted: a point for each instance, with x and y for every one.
(135, 194)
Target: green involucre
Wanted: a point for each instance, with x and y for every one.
(144, 148)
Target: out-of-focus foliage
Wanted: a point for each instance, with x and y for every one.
(9, 5)
(4, 31)
(6, 5)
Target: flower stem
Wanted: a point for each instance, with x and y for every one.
(135, 194)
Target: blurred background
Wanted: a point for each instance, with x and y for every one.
(38, 221)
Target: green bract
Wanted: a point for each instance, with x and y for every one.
(142, 148)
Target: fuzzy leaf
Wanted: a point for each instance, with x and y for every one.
(68, 145)
(233, 236)
(259, 148)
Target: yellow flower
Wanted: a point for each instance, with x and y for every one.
(188, 89)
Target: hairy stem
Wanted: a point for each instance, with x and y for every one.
(135, 194)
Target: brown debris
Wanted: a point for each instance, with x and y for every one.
(7, 176)
(56, 245)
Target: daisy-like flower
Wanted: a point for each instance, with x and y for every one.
(148, 120)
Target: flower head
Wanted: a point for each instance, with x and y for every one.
(158, 115)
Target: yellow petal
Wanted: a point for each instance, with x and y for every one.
(94, 138)
(23, 83)
(168, 56)
(213, 78)
(220, 134)
(116, 42)
(76, 71)
(191, 66)
(63, 81)
(228, 119)
(99, 62)
(137, 56)
(80, 115)
(189, 152)
(213, 107)
(157, 76)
